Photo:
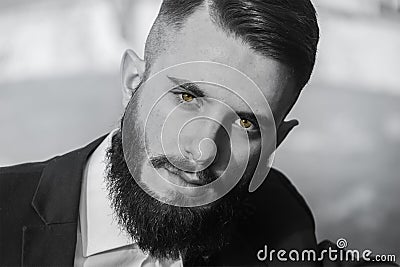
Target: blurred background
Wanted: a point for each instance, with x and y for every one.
(60, 89)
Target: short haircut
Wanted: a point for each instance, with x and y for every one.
(285, 30)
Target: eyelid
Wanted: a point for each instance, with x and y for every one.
(191, 87)
(253, 128)
(184, 90)
(178, 95)
(249, 118)
(181, 89)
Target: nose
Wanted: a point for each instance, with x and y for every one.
(199, 141)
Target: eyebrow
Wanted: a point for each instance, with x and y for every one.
(194, 89)
(189, 86)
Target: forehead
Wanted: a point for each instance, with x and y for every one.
(200, 39)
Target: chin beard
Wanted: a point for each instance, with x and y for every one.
(165, 231)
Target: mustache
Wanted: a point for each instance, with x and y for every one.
(206, 176)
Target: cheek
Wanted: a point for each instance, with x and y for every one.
(152, 134)
(245, 151)
(162, 126)
(255, 148)
(253, 159)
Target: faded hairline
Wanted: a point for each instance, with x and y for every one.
(164, 30)
(286, 31)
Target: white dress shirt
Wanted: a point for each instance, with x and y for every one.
(100, 240)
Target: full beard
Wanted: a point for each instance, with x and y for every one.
(166, 231)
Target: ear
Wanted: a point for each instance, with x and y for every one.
(284, 129)
(132, 72)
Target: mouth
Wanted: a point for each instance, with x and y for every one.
(186, 179)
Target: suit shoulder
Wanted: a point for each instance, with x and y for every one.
(278, 189)
(18, 185)
(30, 167)
(280, 211)
(20, 177)
(281, 181)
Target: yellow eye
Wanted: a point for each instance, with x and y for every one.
(187, 97)
(245, 123)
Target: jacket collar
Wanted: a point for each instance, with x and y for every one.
(56, 199)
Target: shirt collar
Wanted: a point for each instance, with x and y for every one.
(99, 227)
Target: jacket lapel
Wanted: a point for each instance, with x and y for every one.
(56, 201)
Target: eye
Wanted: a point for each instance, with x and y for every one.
(246, 124)
(187, 97)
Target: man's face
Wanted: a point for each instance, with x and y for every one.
(185, 112)
(198, 118)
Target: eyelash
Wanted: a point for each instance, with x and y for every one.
(179, 97)
(255, 125)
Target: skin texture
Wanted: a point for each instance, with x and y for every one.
(201, 40)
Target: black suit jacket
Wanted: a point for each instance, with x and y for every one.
(39, 204)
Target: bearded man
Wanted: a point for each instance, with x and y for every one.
(181, 182)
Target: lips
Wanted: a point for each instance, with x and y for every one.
(190, 178)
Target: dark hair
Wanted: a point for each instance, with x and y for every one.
(286, 30)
